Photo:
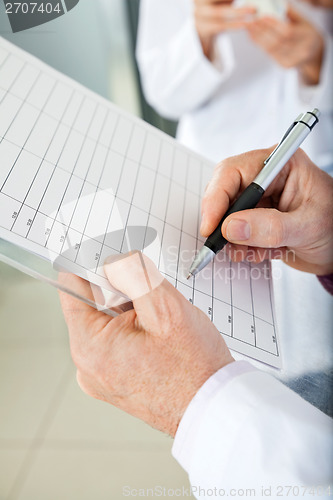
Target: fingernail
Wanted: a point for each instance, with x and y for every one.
(238, 230)
(112, 259)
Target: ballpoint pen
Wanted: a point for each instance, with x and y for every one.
(288, 145)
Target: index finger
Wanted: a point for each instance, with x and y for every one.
(281, 29)
(230, 178)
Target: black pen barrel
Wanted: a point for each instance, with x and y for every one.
(248, 199)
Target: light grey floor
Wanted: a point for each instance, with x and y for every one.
(56, 442)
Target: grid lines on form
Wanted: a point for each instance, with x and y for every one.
(126, 243)
(99, 260)
(181, 234)
(253, 328)
(150, 222)
(59, 167)
(5, 129)
(4, 92)
(165, 221)
(230, 316)
(86, 250)
(82, 180)
(161, 264)
(113, 238)
(66, 225)
(175, 217)
(14, 180)
(44, 215)
(48, 182)
(197, 241)
(8, 93)
(141, 220)
(57, 212)
(189, 241)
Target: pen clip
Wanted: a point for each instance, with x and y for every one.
(310, 119)
(284, 138)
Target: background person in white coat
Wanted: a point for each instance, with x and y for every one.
(236, 84)
(236, 428)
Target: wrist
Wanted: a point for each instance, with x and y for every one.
(207, 44)
(186, 394)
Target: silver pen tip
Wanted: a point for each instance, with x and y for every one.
(190, 275)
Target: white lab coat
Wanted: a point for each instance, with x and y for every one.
(245, 434)
(241, 101)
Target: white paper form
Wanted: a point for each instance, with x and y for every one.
(81, 179)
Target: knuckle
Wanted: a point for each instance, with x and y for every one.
(220, 166)
(219, 171)
(171, 311)
(276, 231)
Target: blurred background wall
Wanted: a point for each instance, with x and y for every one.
(55, 442)
(95, 45)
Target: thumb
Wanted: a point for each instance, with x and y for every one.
(264, 228)
(133, 274)
(155, 300)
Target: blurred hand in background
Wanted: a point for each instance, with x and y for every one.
(294, 43)
(215, 16)
(320, 3)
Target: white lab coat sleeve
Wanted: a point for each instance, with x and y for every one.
(321, 95)
(245, 430)
(176, 76)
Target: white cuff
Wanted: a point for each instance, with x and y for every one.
(182, 449)
(245, 429)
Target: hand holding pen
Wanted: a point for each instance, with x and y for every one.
(287, 224)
